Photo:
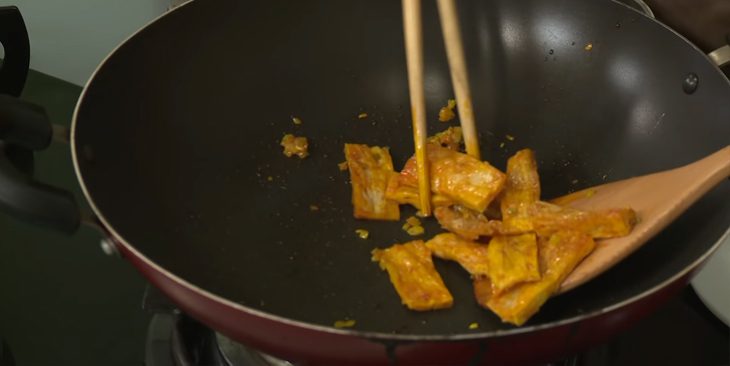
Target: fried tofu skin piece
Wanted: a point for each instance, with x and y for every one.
(464, 179)
(558, 256)
(512, 260)
(466, 223)
(546, 219)
(470, 255)
(523, 182)
(407, 194)
(482, 290)
(414, 276)
(522, 210)
(459, 177)
(370, 168)
(521, 189)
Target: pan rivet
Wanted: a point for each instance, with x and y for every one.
(690, 83)
(109, 247)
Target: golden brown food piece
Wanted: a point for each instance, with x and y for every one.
(459, 177)
(523, 182)
(415, 230)
(521, 189)
(512, 260)
(413, 221)
(558, 257)
(403, 188)
(406, 194)
(362, 233)
(522, 210)
(470, 255)
(414, 276)
(466, 223)
(413, 226)
(447, 113)
(546, 218)
(370, 168)
(482, 290)
(403, 194)
(294, 145)
(450, 138)
(464, 179)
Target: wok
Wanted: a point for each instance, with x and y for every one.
(175, 141)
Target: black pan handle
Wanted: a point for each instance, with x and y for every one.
(24, 124)
(14, 38)
(24, 127)
(31, 201)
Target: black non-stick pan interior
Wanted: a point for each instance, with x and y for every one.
(178, 134)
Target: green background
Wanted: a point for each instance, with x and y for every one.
(62, 300)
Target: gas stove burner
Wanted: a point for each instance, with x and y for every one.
(175, 339)
(236, 354)
(178, 340)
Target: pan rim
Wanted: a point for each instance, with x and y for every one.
(371, 335)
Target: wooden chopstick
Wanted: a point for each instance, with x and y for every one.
(414, 62)
(459, 78)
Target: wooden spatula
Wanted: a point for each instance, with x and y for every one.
(657, 198)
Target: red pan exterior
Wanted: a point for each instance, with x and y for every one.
(309, 346)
